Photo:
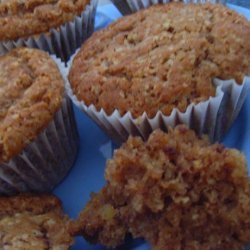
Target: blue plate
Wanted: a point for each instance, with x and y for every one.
(87, 175)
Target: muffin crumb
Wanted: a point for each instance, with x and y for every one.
(176, 190)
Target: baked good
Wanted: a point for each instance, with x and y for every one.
(161, 58)
(176, 190)
(33, 222)
(21, 19)
(31, 95)
(129, 6)
(56, 26)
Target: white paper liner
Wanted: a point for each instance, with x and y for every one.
(45, 161)
(212, 117)
(129, 6)
(62, 41)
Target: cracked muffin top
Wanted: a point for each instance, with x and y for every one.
(31, 91)
(176, 190)
(22, 18)
(33, 222)
(161, 58)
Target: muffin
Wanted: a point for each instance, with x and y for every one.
(38, 136)
(176, 190)
(55, 26)
(129, 6)
(33, 222)
(151, 69)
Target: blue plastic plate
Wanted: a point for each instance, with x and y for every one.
(87, 175)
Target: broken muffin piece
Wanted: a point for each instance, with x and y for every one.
(175, 190)
(33, 222)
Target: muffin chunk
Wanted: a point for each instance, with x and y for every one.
(31, 91)
(176, 190)
(23, 18)
(33, 222)
(162, 58)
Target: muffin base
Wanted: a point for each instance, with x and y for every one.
(61, 41)
(212, 117)
(45, 161)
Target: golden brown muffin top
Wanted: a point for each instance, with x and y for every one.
(161, 58)
(176, 190)
(33, 222)
(22, 18)
(31, 91)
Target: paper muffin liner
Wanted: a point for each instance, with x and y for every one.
(212, 117)
(61, 41)
(47, 159)
(129, 6)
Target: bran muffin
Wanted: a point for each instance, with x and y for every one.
(33, 222)
(140, 65)
(152, 61)
(176, 190)
(33, 18)
(129, 6)
(37, 125)
(30, 17)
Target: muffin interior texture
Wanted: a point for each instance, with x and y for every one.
(175, 190)
(23, 18)
(31, 91)
(161, 58)
(33, 222)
